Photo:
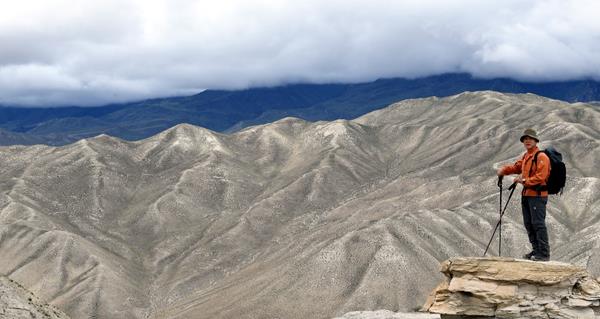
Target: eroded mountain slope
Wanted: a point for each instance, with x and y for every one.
(292, 219)
(17, 302)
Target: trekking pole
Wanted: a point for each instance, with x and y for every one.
(512, 190)
(500, 217)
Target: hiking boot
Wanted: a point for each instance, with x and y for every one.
(528, 255)
(540, 258)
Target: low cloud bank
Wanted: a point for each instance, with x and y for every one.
(58, 52)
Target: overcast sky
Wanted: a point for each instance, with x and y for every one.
(92, 52)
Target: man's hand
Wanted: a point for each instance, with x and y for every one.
(499, 172)
(519, 179)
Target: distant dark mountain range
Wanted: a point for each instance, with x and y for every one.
(227, 111)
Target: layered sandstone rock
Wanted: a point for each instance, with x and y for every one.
(386, 314)
(18, 303)
(511, 288)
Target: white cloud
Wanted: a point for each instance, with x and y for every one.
(59, 52)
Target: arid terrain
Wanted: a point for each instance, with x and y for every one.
(291, 219)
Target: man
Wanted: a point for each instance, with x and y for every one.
(533, 175)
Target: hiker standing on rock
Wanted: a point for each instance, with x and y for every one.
(534, 174)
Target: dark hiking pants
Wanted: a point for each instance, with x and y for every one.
(534, 215)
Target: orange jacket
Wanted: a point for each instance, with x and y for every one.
(539, 175)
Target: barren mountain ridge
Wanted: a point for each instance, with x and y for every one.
(291, 219)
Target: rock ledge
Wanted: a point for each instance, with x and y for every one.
(513, 288)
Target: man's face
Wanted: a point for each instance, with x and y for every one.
(529, 143)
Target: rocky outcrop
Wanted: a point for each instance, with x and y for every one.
(511, 288)
(386, 314)
(18, 303)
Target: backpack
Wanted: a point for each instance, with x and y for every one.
(558, 171)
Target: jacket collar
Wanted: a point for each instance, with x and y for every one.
(533, 150)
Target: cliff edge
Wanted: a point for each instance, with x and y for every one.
(513, 288)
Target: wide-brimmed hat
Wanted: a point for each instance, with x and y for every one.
(531, 133)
